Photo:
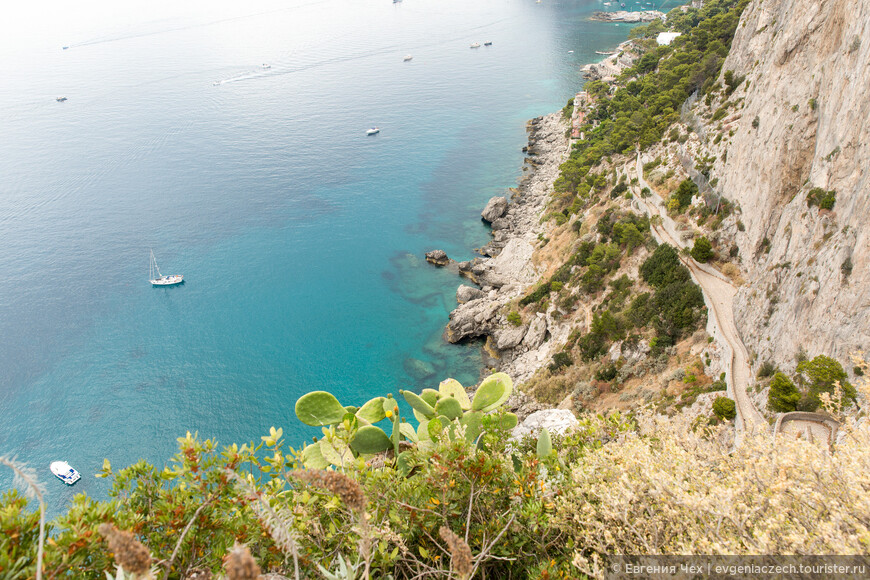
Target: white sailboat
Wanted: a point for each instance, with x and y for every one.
(160, 280)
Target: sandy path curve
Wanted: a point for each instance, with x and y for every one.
(718, 294)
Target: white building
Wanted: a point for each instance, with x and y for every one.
(666, 37)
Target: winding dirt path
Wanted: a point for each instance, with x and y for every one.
(718, 294)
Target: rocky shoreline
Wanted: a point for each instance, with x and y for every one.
(628, 16)
(506, 270)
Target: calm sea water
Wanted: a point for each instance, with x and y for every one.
(300, 238)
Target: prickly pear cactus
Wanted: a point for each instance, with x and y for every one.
(418, 404)
(492, 392)
(449, 407)
(312, 458)
(453, 388)
(545, 444)
(370, 439)
(372, 411)
(319, 408)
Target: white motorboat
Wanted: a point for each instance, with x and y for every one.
(267, 65)
(160, 280)
(475, 45)
(64, 472)
(407, 57)
(60, 99)
(373, 131)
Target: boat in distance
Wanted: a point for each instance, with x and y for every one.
(161, 280)
(475, 45)
(373, 131)
(60, 99)
(407, 57)
(266, 65)
(487, 43)
(64, 472)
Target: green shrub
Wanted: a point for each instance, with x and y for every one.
(663, 267)
(783, 396)
(724, 408)
(767, 369)
(820, 375)
(537, 294)
(560, 360)
(607, 373)
(514, 318)
(820, 197)
(702, 251)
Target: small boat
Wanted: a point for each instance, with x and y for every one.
(570, 52)
(65, 47)
(160, 280)
(487, 43)
(267, 65)
(64, 472)
(622, 4)
(373, 131)
(407, 57)
(60, 99)
(216, 83)
(475, 45)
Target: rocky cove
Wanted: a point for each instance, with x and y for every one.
(507, 267)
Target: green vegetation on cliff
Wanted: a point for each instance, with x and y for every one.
(649, 95)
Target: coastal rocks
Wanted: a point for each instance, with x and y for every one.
(494, 209)
(556, 421)
(630, 352)
(537, 332)
(437, 257)
(506, 271)
(467, 294)
(472, 319)
(509, 337)
(628, 16)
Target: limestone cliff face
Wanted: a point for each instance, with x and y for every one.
(805, 123)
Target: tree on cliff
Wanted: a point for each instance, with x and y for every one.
(702, 250)
(784, 395)
(821, 375)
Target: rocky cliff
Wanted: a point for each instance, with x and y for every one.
(804, 123)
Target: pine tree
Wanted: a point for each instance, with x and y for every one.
(783, 396)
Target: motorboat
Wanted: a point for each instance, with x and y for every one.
(60, 99)
(65, 47)
(407, 57)
(373, 131)
(487, 43)
(64, 472)
(267, 65)
(161, 280)
(475, 45)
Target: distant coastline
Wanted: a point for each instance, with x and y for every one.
(627, 16)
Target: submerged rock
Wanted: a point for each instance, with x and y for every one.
(418, 369)
(437, 257)
(494, 209)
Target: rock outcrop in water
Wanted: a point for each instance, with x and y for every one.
(507, 270)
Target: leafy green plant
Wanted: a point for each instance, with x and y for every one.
(724, 408)
(702, 250)
(783, 396)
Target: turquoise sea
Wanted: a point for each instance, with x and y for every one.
(300, 238)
